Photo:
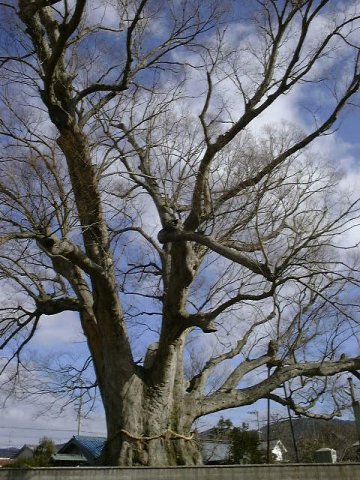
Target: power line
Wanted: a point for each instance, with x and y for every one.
(47, 428)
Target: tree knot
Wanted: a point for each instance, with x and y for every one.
(169, 227)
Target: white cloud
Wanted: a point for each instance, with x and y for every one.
(58, 330)
(22, 423)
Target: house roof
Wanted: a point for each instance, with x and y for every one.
(90, 447)
(273, 444)
(215, 451)
(29, 446)
(25, 448)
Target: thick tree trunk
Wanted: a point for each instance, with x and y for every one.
(145, 406)
(146, 427)
(164, 450)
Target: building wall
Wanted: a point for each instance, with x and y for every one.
(244, 472)
(278, 452)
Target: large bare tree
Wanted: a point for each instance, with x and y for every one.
(142, 188)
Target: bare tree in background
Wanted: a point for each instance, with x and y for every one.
(138, 189)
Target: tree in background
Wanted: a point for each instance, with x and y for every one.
(244, 443)
(222, 429)
(41, 457)
(245, 446)
(43, 451)
(340, 436)
(141, 190)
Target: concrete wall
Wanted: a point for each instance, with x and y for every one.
(244, 472)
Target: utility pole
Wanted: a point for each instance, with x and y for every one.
(356, 407)
(268, 453)
(80, 411)
(291, 426)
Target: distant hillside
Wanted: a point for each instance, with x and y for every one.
(311, 434)
(8, 452)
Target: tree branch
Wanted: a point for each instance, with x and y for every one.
(246, 396)
(227, 252)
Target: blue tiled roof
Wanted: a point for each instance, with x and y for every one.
(89, 447)
(92, 445)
